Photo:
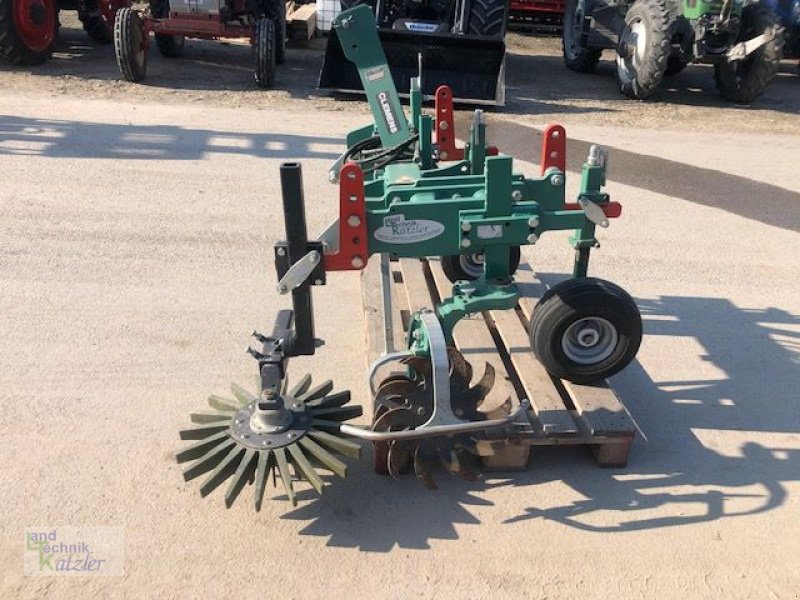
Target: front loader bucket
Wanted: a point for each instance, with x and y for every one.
(473, 67)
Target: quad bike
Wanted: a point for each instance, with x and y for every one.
(405, 189)
(263, 21)
(654, 38)
(461, 42)
(29, 28)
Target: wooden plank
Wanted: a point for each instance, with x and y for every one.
(302, 22)
(601, 409)
(417, 291)
(545, 399)
(530, 288)
(373, 308)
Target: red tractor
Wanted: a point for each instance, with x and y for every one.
(263, 21)
(29, 28)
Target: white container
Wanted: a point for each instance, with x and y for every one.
(326, 11)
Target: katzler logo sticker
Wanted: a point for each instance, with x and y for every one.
(388, 112)
(397, 230)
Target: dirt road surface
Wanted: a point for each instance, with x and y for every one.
(136, 237)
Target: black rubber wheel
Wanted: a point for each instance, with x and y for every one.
(675, 64)
(96, 25)
(28, 30)
(585, 330)
(459, 267)
(170, 46)
(276, 10)
(130, 45)
(577, 56)
(264, 49)
(744, 80)
(643, 49)
(488, 18)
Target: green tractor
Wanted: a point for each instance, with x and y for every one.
(653, 38)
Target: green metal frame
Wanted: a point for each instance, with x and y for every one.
(419, 208)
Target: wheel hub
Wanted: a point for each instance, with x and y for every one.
(35, 22)
(589, 340)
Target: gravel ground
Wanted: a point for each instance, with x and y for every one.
(136, 231)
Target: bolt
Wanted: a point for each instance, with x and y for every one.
(266, 443)
(458, 412)
(245, 436)
(421, 410)
(443, 125)
(557, 180)
(281, 252)
(351, 174)
(298, 404)
(396, 198)
(314, 258)
(291, 436)
(353, 198)
(533, 222)
(532, 238)
(555, 134)
(332, 176)
(354, 220)
(443, 155)
(466, 226)
(516, 195)
(357, 262)
(282, 288)
(456, 196)
(238, 421)
(465, 243)
(318, 282)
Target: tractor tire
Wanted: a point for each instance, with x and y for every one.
(577, 56)
(264, 49)
(28, 30)
(469, 267)
(644, 48)
(675, 64)
(742, 81)
(488, 18)
(585, 330)
(130, 45)
(170, 46)
(97, 26)
(280, 31)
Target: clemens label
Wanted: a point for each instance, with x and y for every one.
(397, 230)
(388, 112)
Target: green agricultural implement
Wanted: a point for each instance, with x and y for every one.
(406, 190)
(654, 38)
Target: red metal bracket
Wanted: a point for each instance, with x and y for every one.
(554, 148)
(611, 209)
(352, 254)
(444, 125)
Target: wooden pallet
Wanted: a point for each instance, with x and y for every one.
(301, 20)
(562, 413)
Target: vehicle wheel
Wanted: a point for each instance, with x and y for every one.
(98, 26)
(643, 49)
(130, 44)
(675, 64)
(458, 267)
(170, 46)
(744, 80)
(277, 12)
(487, 18)
(577, 56)
(264, 49)
(585, 330)
(28, 30)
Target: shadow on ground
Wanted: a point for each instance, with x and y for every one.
(672, 479)
(76, 139)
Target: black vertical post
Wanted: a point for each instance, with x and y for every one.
(294, 216)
